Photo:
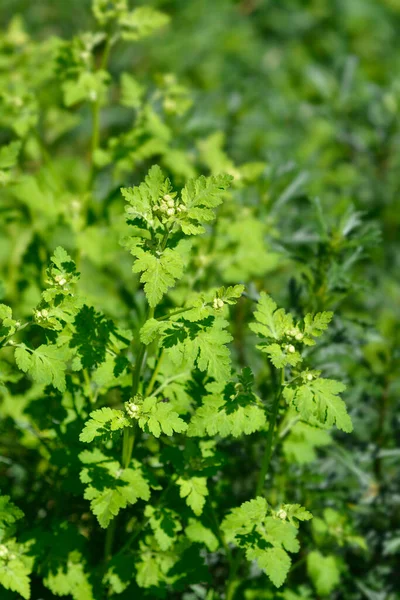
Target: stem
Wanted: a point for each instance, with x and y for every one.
(270, 436)
(109, 539)
(156, 370)
(265, 464)
(95, 141)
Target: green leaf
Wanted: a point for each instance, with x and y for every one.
(46, 365)
(213, 354)
(15, 568)
(280, 355)
(142, 22)
(195, 491)
(271, 323)
(215, 417)
(102, 423)
(275, 562)
(197, 532)
(266, 535)
(317, 324)
(141, 199)
(8, 325)
(110, 487)
(9, 513)
(155, 416)
(200, 197)
(300, 445)
(159, 273)
(319, 398)
(131, 91)
(70, 578)
(165, 525)
(323, 571)
(9, 155)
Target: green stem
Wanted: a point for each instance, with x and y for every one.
(155, 373)
(266, 460)
(109, 539)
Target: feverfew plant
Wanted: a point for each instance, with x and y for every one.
(159, 405)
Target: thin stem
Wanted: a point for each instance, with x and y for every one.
(155, 373)
(109, 539)
(270, 437)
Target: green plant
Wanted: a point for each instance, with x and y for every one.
(167, 430)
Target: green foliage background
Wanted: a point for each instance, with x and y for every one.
(300, 103)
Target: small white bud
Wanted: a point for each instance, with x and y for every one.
(3, 550)
(291, 332)
(170, 203)
(163, 207)
(93, 95)
(299, 336)
(62, 281)
(45, 313)
(39, 314)
(291, 348)
(167, 197)
(132, 409)
(57, 278)
(170, 212)
(218, 303)
(309, 377)
(282, 514)
(17, 324)
(183, 207)
(13, 556)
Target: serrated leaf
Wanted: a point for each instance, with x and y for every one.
(14, 576)
(275, 562)
(156, 416)
(102, 422)
(200, 197)
(9, 513)
(46, 365)
(280, 356)
(271, 322)
(319, 398)
(194, 490)
(70, 578)
(214, 418)
(110, 487)
(131, 91)
(165, 525)
(158, 273)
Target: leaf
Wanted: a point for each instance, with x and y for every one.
(197, 532)
(102, 423)
(200, 197)
(299, 446)
(8, 325)
(109, 486)
(142, 22)
(195, 491)
(214, 417)
(317, 324)
(155, 416)
(213, 355)
(319, 398)
(159, 273)
(165, 525)
(266, 535)
(131, 91)
(15, 571)
(275, 562)
(143, 197)
(9, 513)
(271, 323)
(323, 571)
(46, 364)
(91, 336)
(70, 578)
(281, 356)
(9, 155)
